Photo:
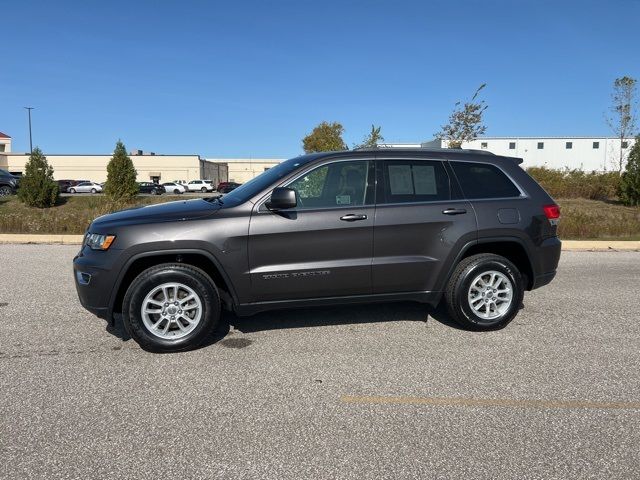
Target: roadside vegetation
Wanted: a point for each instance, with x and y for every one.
(70, 215)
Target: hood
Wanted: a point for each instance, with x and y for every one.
(181, 210)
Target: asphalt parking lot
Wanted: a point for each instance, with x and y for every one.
(385, 391)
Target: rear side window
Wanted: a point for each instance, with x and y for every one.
(408, 181)
(483, 181)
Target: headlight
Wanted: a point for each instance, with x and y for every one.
(99, 242)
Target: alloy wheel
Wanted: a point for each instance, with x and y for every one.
(171, 311)
(490, 295)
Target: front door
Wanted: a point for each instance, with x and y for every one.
(323, 247)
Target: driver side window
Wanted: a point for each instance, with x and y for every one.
(338, 184)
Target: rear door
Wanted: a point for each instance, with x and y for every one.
(421, 220)
(324, 246)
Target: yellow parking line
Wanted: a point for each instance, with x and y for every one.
(489, 402)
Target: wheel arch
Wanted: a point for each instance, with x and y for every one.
(198, 258)
(512, 248)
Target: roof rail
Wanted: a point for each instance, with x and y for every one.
(426, 149)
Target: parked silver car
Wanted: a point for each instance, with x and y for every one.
(86, 187)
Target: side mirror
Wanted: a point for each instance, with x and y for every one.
(282, 198)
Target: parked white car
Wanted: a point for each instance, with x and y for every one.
(200, 186)
(173, 187)
(86, 187)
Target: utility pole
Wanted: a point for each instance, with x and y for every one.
(30, 140)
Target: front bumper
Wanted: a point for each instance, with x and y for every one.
(94, 279)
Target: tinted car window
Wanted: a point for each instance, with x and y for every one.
(337, 184)
(414, 181)
(484, 181)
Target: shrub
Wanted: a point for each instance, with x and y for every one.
(37, 186)
(121, 176)
(575, 183)
(630, 183)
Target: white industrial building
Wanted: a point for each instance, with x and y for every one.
(586, 153)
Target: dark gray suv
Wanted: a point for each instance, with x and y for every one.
(470, 228)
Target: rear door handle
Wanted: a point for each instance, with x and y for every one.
(352, 217)
(454, 211)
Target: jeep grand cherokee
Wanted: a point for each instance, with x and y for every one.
(470, 228)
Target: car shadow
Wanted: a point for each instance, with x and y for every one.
(339, 315)
(311, 317)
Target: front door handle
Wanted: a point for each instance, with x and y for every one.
(352, 217)
(454, 211)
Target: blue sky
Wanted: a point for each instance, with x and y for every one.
(251, 78)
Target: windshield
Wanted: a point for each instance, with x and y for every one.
(254, 186)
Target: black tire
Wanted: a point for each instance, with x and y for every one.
(458, 287)
(154, 191)
(144, 283)
(72, 190)
(176, 191)
(5, 191)
(203, 189)
(94, 191)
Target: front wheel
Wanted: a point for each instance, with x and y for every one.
(93, 190)
(171, 308)
(484, 292)
(203, 189)
(176, 191)
(5, 191)
(72, 190)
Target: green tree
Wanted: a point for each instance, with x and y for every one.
(37, 186)
(326, 137)
(465, 122)
(630, 183)
(372, 139)
(622, 120)
(121, 175)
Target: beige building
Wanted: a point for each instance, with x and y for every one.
(5, 143)
(158, 168)
(241, 170)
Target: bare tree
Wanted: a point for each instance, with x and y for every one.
(372, 139)
(465, 122)
(622, 120)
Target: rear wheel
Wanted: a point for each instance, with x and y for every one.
(171, 308)
(484, 292)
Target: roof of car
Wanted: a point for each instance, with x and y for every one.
(434, 153)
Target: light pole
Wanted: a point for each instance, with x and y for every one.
(30, 141)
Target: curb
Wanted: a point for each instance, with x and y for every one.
(26, 238)
(600, 246)
(567, 245)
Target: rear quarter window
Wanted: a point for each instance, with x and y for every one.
(484, 181)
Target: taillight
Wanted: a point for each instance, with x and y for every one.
(552, 212)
